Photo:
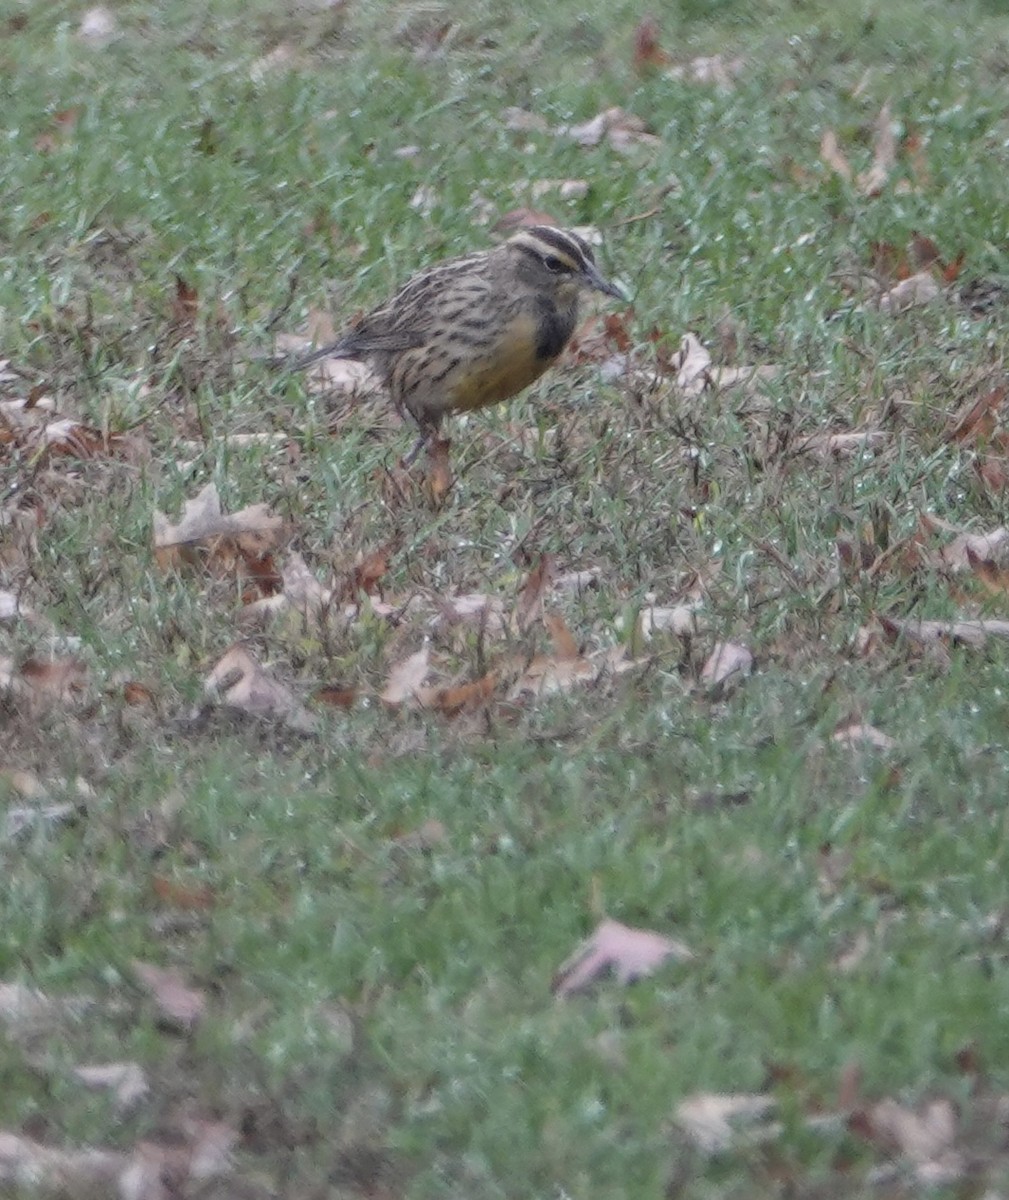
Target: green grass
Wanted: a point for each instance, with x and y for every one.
(380, 1021)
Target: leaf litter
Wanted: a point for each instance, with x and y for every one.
(614, 948)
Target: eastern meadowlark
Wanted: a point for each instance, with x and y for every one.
(475, 330)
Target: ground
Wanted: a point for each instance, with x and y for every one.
(461, 716)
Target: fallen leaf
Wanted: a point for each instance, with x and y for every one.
(427, 836)
(977, 418)
(187, 897)
(181, 1006)
(159, 1170)
(726, 666)
(567, 189)
(529, 607)
(565, 646)
(59, 679)
(628, 953)
(406, 679)
(710, 70)
(520, 120)
(218, 539)
(855, 735)
(97, 27)
(681, 619)
(462, 698)
(474, 608)
(972, 633)
(621, 129)
(691, 364)
(842, 445)
(185, 306)
(30, 1165)
(648, 54)
(138, 695)
(884, 155)
(706, 1118)
(833, 156)
(126, 1081)
(17, 820)
(917, 289)
(516, 218)
(924, 1137)
(546, 673)
(967, 550)
(370, 569)
(242, 684)
(335, 697)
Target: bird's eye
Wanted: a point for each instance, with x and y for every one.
(555, 264)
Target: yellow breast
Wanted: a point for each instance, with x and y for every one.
(500, 370)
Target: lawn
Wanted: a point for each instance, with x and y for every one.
(305, 804)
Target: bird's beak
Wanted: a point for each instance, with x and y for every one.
(594, 280)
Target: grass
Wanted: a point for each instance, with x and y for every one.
(379, 1018)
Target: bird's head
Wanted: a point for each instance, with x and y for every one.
(558, 262)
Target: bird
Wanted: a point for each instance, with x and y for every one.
(473, 331)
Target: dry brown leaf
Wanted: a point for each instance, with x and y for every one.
(567, 189)
(300, 590)
(621, 129)
(628, 953)
(344, 375)
(565, 646)
(427, 836)
(968, 551)
(706, 1118)
(406, 679)
(691, 364)
(925, 1138)
(842, 445)
(62, 680)
(125, 1080)
(546, 674)
(917, 289)
(30, 1165)
(529, 607)
(648, 53)
(162, 1170)
(181, 1006)
(370, 569)
(516, 218)
(681, 619)
(26, 1009)
(471, 609)
(884, 155)
(188, 897)
(97, 27)
(520, 120)
(977, 418)
(710, 70)
(727, 665)
(242, 684)
(27, 783)
(462, 698)
(335, 697)
(963, 632)
(185, 305)
(832, 154)
(220, 539)
(17, 820)
(855, 735)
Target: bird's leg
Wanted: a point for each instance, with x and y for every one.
(419, 444)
